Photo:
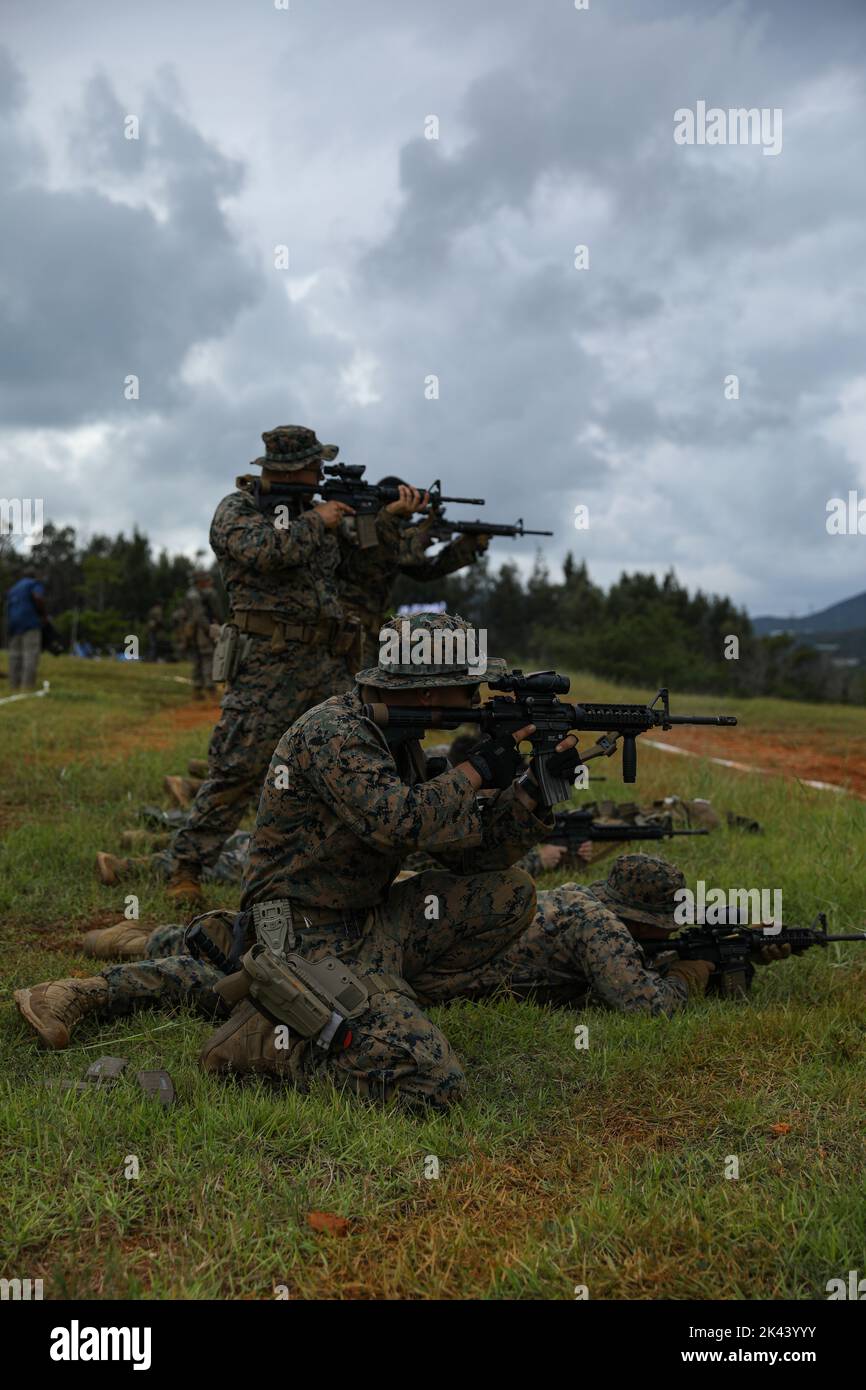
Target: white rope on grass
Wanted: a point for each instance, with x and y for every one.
(27, 695)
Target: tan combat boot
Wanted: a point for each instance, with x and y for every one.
(112, 870)
(703, 813)
(125, 941)
(184, 887)
(54, 1008)
(182, 790)
(148, 840)
(246, 1045)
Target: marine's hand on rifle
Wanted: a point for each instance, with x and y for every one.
(332, 513)
(410, 500)
(765, 952)
(695, 974)
(550, 855)
(495, 762)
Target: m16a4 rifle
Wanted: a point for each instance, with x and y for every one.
(533, 699)
(731, 945)
(442, 528)
(574, 828)
(345, 483)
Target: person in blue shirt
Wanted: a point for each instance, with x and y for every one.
(25, 616)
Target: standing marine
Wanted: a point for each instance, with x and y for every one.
(367, 576)
(287, 644)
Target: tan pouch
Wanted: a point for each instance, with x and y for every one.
(229, 653)
(225, 653)
(304, 995)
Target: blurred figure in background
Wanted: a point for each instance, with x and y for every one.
(202, 619)
(26, 615)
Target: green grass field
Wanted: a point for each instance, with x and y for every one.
(602, 1167)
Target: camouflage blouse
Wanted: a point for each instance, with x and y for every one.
(338, 815)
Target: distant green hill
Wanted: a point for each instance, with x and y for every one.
(845, 618)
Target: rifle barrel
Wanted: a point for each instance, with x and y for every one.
(487, 528)
(726, 719)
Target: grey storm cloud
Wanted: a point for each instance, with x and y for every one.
(451, 258)
(95, 289)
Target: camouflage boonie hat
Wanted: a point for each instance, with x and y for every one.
(291, 447)
(642, 888)
(446, 649)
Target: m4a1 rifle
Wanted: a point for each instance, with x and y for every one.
(732, 947)
(573, 828)
(532, 699)
(441, 528)
(345, 483)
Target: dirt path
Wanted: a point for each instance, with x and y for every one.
(120, 739)
(161, 730)
(839, 763)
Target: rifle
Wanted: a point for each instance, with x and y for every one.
(730, 944)
(572, 828)
(346, 484)
(532, 699)
(441, 529)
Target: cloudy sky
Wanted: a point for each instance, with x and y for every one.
(410, 257)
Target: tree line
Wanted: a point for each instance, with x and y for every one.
(641, 631)
(101, 591)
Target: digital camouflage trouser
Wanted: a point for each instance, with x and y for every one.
(229, 867)
(166, 975)
(575, 949)
(435, 929)
(271, 690)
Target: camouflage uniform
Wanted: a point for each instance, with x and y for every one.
(578, 950)
(229, 867)
(394, 1046)
(339, 811)
(168, 974)
(365, 577)
(368, 576)
(158, 644)
(201, 610)
(282, 579)
(417, 563)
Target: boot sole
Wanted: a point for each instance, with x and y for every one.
(59, 1039)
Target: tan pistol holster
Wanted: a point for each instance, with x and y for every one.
(313, 998)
